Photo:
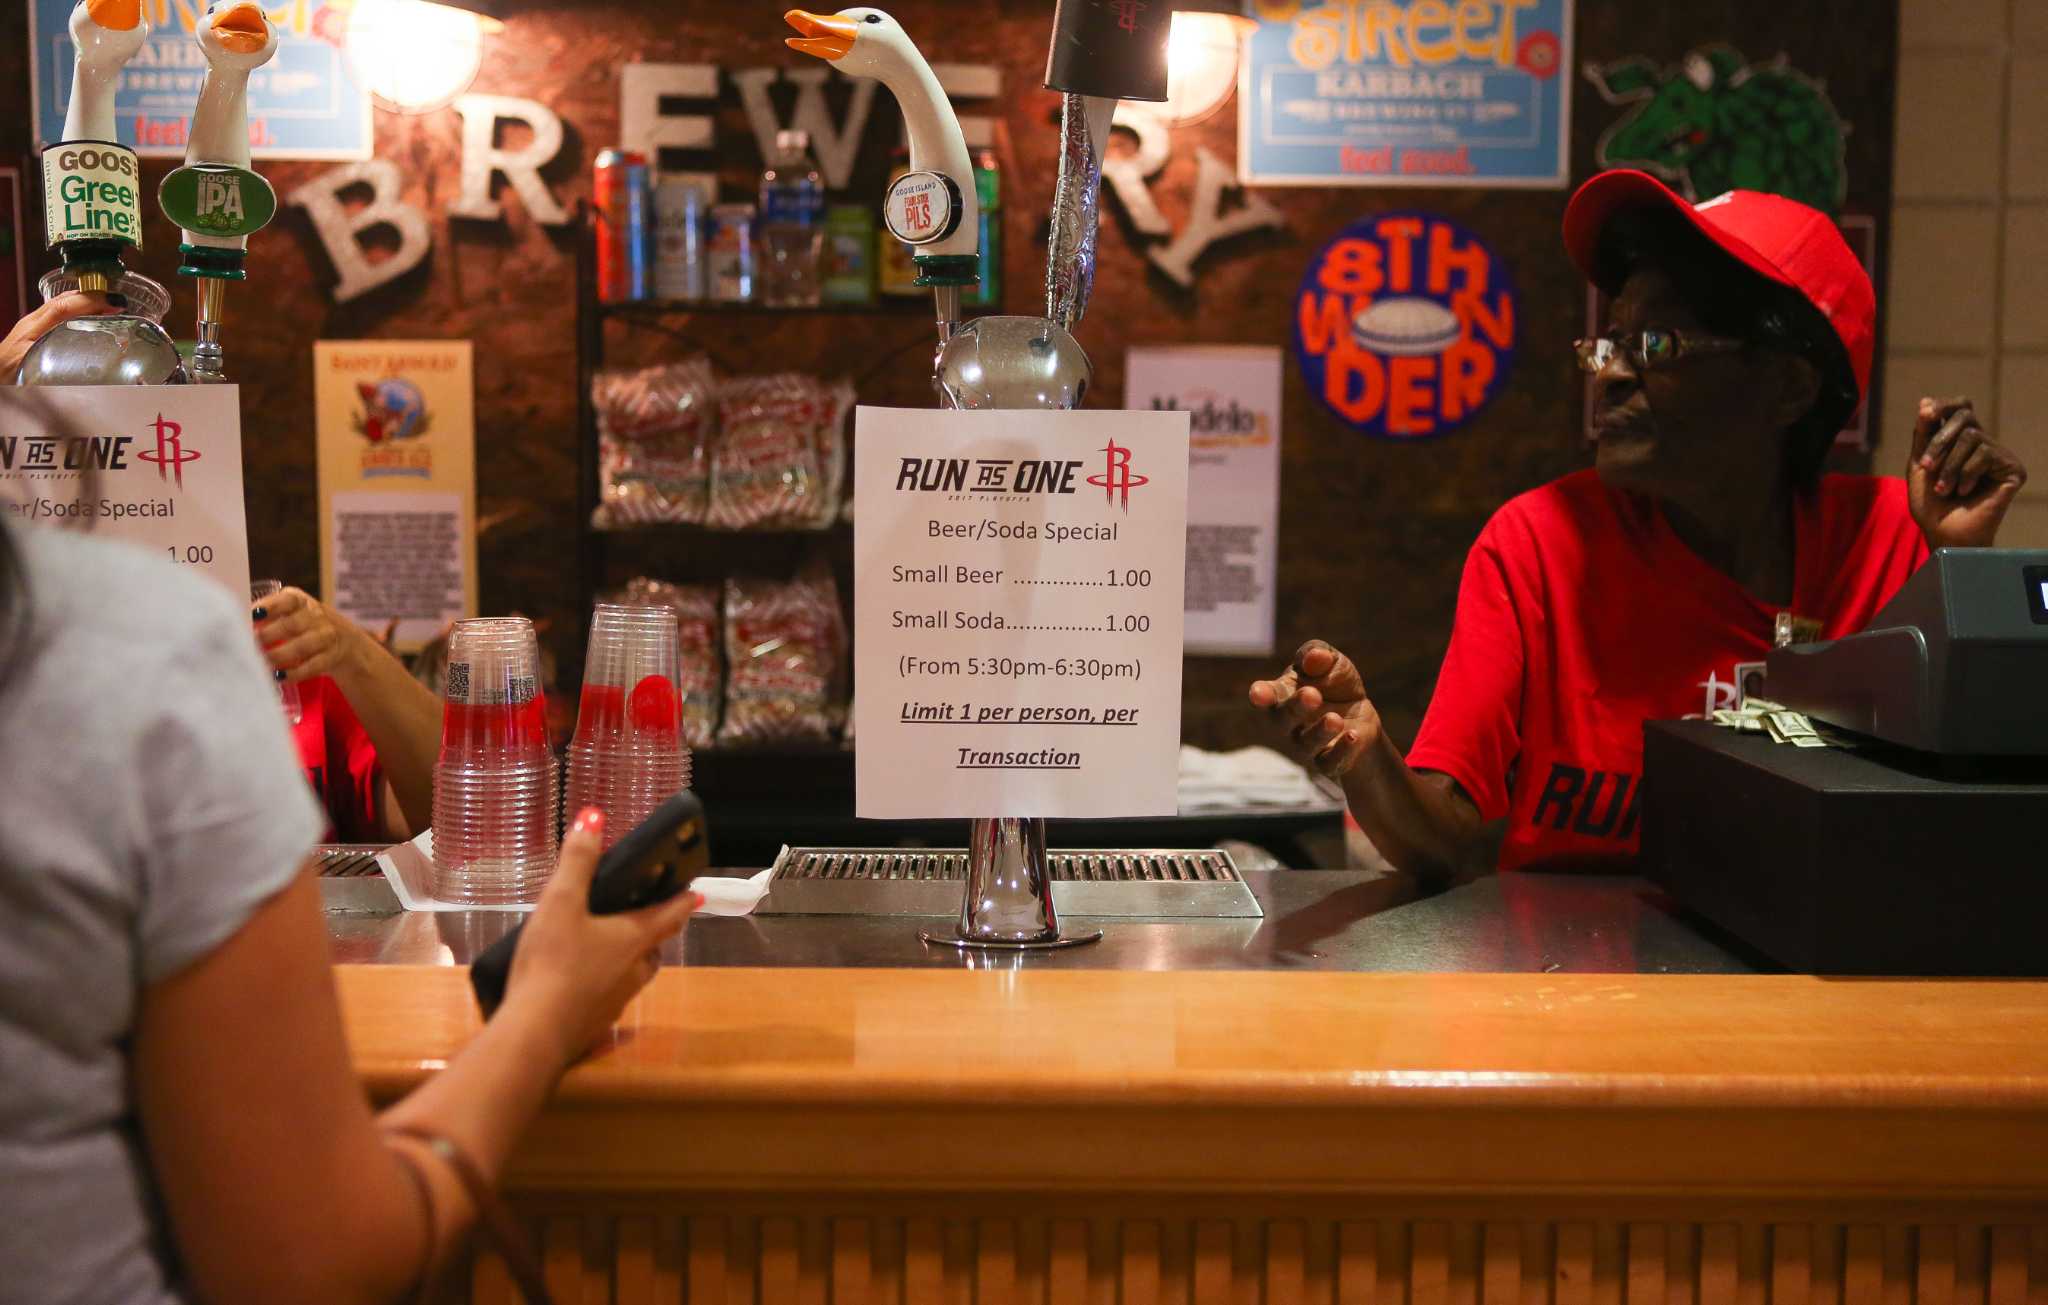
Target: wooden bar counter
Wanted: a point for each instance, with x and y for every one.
(1242, 1133)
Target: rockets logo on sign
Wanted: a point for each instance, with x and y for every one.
(1405, 326)
(170, 454)
(1117, 480)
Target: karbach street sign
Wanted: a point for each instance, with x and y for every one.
(305, 104)
(1406, 93)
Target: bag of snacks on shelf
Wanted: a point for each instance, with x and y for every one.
(780, 456)
(654, 429)
(784, 644)
(697, 661)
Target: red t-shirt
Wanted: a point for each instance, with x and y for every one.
(340, 762)
(1581, 615)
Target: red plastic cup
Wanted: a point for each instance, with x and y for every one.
(496, 790)
(627, 756)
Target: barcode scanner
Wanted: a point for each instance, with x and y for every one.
(654, 861)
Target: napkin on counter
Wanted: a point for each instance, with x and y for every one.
(408, 868)
(1248, 779)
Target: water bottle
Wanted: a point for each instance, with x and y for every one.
(988, 191)
(792, 229)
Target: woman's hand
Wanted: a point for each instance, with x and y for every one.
(1320, 699)
(43, 320)
(574, 971)
(1958, 480)
(302, 638)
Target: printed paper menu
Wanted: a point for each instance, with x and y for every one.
(157, 465)
(1018, 586)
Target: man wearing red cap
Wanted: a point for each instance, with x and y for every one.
(1739, 341)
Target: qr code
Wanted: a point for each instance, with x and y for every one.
(458, 681)
(522, 689)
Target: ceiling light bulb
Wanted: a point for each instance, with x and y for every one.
(413, 54)
(1201, 66)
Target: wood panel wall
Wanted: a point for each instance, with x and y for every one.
(1505, 1256)
(1373, 534)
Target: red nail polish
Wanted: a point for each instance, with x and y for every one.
(590, 820)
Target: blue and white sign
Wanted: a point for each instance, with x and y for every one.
(306, 103)
(1406, 93)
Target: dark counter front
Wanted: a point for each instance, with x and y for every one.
(1315, 920)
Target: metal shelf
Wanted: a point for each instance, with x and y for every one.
(686, 528)
(921, 306)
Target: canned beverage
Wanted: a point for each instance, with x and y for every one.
(898, 270)
(988, 191)
(731, 256)
(849, 254)
(678, 241)
(619, 191)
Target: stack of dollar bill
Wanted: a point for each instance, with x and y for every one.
(1762, 716)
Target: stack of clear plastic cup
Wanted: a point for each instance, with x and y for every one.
(495, 784)
(627, 757)
(287, 693)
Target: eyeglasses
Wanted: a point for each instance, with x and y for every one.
(1650, 348)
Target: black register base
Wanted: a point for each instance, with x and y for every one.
(1839, 861)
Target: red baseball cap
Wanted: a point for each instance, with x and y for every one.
(1781, 240)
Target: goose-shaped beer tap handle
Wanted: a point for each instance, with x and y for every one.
(105, 34)
(935, 204)
(217, 198)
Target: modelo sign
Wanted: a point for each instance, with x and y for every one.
(1404, 326)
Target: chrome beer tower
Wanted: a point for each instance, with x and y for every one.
(1102, 51)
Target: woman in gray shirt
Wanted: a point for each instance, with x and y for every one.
(178, 1118)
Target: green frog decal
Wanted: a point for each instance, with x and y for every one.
(1713, 123)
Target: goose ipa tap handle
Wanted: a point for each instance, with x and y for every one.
(217, 199)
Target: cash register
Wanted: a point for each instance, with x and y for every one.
(1918, 844)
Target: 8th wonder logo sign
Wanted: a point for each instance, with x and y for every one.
(1405, 326)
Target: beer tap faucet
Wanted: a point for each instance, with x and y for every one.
(92, 213)
(217, 198)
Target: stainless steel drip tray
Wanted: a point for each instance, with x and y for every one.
(1199, 885)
